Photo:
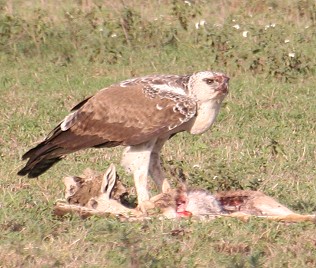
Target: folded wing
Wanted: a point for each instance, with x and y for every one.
(117, 115)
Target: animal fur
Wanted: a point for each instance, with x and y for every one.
(94, 194)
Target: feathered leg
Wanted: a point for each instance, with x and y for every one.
(136, 160)
(155, 169)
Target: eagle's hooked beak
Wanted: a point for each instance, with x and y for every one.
(223, 83)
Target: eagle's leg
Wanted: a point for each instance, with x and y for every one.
(136, 161)
(155, 169)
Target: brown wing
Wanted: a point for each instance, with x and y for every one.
(118, 115)
(124, 115)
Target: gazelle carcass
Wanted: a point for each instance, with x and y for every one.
(94, 194)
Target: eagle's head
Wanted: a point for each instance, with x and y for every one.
(207, 85)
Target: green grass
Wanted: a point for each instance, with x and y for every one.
(264, 138)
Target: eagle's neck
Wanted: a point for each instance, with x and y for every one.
(206, 115)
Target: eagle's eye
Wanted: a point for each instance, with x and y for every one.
(209, 81)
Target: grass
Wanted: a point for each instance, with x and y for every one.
(264, 138)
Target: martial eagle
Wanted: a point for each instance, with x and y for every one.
(139, 113)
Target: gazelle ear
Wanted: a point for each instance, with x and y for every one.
(108, 181)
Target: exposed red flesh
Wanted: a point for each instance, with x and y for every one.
(184, 214)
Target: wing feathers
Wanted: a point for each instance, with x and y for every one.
(80, 104)
(130, 116)
(118, 115)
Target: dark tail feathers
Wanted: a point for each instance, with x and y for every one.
(41, 158)
(39, 168)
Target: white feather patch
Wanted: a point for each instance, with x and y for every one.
(177, 90)
(159, 107)
(65, 125)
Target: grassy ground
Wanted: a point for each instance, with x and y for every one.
(52, 56)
